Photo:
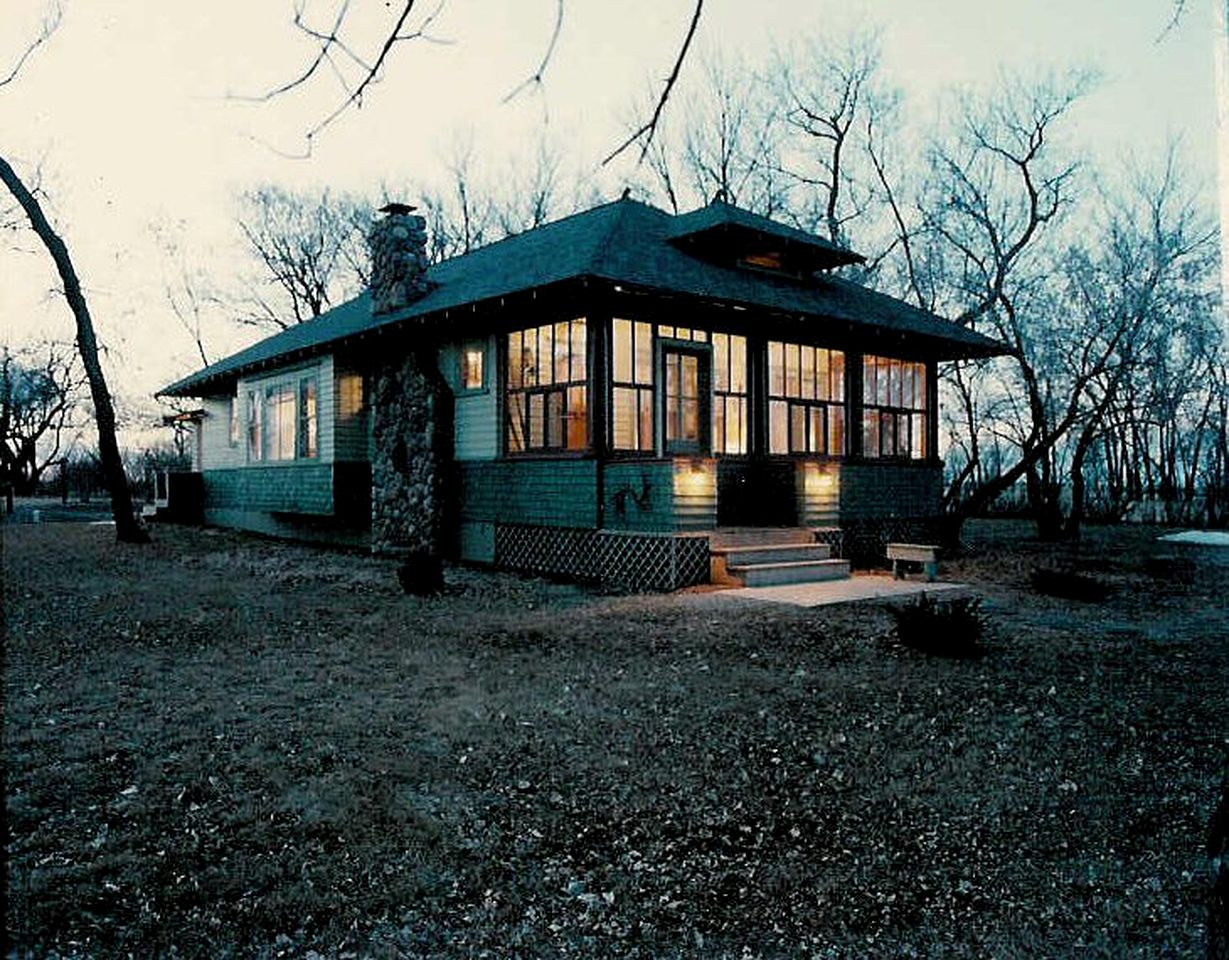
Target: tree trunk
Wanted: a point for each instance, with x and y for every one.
(127, 529)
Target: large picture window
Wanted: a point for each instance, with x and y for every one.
(631, 407)
(283, 420)
(806, 399)
(547, 388)
(893, 408)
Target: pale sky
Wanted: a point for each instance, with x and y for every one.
(127, 110)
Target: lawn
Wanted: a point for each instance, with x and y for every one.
(223, 746)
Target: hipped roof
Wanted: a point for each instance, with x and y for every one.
(625, 242)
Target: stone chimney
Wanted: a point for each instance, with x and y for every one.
(398, 246)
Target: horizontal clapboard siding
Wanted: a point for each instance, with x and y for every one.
(217, 452)
(476, 412)
(552, 493)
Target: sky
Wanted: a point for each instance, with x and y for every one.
(134, 113)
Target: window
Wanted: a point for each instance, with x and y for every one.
(283, 420)
(255, 412)
(547, 388)
(349, 395)
(806, 399)
(473, 355)
(729, 393)
(279, 425)
(682, 333)
(631, 406)
(893, 408)
(685, 399)
(308, 429)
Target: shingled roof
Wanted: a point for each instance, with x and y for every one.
(625, 242)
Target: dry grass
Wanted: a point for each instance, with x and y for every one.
(223, 746)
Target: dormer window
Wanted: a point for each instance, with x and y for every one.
(763, 261)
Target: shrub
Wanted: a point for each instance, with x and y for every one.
(943, 628)
(1068, 585)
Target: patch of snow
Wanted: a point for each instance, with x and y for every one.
(1207, 538)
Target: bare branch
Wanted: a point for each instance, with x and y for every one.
(648, 129)
(50, 23)
(536, 78)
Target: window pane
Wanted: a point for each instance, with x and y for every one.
(823, 378)
(868, 379)
(529, 358)
(682, 333)
(797, 428)
(664, 331)
(793, 386)
(778, 427)
(307, 418)
(563, 343)
(646, 419)
(815, 440)
(882, 381)
(920, 384)
(699, 336)
(721, 362)
(870, 433)
(776, 369)
(545, 355)
(578, 419)
(736, 424)
(623, 351)
(691, 419)
(738, 364)
(894, 385)
(836, 431)
(554, 419)
(718, 427)
(808, 373)
(580, 349)
(516, 362)
(919, 437)
(838, 375)
(644, 353)
(887, 434)
(907, 385)
(534, 427)
(624, 418)
(516, 422)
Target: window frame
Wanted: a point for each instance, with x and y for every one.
(835, 409)
(703, 352)
(880, 407)
(567, 390)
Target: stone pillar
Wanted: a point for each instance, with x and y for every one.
(405, 467)
(410, 404)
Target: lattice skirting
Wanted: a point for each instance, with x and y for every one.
(638, 561)
(865, 541)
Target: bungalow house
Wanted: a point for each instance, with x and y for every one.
(603, 397)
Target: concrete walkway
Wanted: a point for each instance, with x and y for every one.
(862, 586)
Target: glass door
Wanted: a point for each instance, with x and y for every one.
(686, 399)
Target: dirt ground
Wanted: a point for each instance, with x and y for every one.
(217, 745)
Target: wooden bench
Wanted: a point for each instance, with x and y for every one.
(924, 553)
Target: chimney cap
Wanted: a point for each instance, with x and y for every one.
(395, 209)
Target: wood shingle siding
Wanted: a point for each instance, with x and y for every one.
(549, 493)
(639, 495)
(890, 490)
(303, 487)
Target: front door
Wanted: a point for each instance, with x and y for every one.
(686, 399)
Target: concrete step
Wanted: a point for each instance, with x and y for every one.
(775, 553)
(798, 571)
(725, 537)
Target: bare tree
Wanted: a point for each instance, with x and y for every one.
(38, 395)
(311, 249)
(126, 527)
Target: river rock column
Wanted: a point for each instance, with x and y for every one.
(405, 467)
(407, 402)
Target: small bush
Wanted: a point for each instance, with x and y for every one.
(1068, 585)
(944, 628)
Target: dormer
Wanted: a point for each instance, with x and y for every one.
(729, 236)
